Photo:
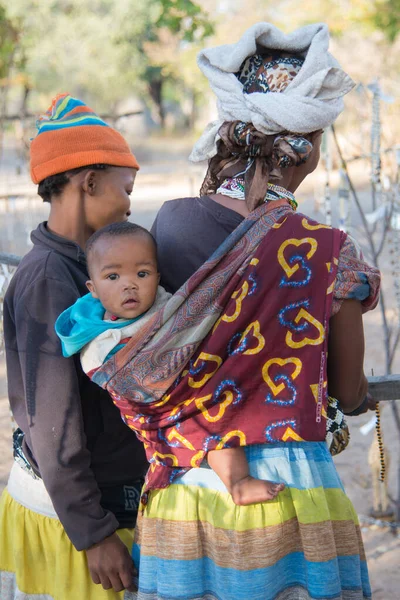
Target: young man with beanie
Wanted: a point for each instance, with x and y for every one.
(78, 470)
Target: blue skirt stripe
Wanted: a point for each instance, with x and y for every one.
(180, 580)
(297, 464)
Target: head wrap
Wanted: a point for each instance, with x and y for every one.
(310, 94)
(257, 158)
(71, 135)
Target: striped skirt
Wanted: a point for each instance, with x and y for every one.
(37, 560)
(194, 543)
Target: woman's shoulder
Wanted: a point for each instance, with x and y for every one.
(349, 247)
(200, 204)
(45, 263)
(196, 211)
(179, 204)
(45, 272)
(356, 278)
(174, 211)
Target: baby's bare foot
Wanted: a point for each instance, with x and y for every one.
(252, 491)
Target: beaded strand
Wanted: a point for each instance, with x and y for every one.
(382, 476)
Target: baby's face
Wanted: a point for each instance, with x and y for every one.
(124, 274)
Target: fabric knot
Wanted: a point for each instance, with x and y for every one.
(291, 150)
(245, 152)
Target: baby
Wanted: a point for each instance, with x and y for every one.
(124, 287)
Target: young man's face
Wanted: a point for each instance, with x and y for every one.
(124, 275)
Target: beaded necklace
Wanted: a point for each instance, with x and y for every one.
(234, 188)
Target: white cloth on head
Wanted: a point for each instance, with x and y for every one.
(311, 101)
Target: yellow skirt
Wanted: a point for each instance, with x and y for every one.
(38, 561)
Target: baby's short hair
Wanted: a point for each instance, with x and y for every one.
(115, 230)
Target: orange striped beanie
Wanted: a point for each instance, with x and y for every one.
(71, 135)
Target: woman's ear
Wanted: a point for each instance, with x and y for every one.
(90, 182)
(91, 287)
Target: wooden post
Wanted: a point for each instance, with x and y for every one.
(386, 387)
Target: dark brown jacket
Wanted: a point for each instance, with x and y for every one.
(90, 462)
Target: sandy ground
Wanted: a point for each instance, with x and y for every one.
(165, 175)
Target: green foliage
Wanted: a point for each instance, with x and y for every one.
(170, 27)
(184, 18)
(107, 50)
(386, 17)
(8, 42)
(102, 50)
(342, 16)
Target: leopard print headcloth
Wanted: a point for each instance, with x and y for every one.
(268, 73)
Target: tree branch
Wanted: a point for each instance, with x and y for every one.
(27, 115)
(386, 228)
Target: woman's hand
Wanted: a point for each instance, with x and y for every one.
(111, 565)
